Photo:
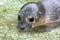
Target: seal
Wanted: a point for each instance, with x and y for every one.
(34, 14)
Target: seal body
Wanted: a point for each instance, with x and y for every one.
(52, 8)
(34, 14)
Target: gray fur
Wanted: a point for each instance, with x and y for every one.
(52, 8)
(49, 8)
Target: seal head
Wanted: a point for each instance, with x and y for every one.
(28, 16)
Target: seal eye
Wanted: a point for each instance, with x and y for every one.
(19, 18)
(31, 19)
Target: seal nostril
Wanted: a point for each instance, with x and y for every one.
(23, 28)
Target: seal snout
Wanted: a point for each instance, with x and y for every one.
(22, 28)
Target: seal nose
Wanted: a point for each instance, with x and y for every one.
(22, 28)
